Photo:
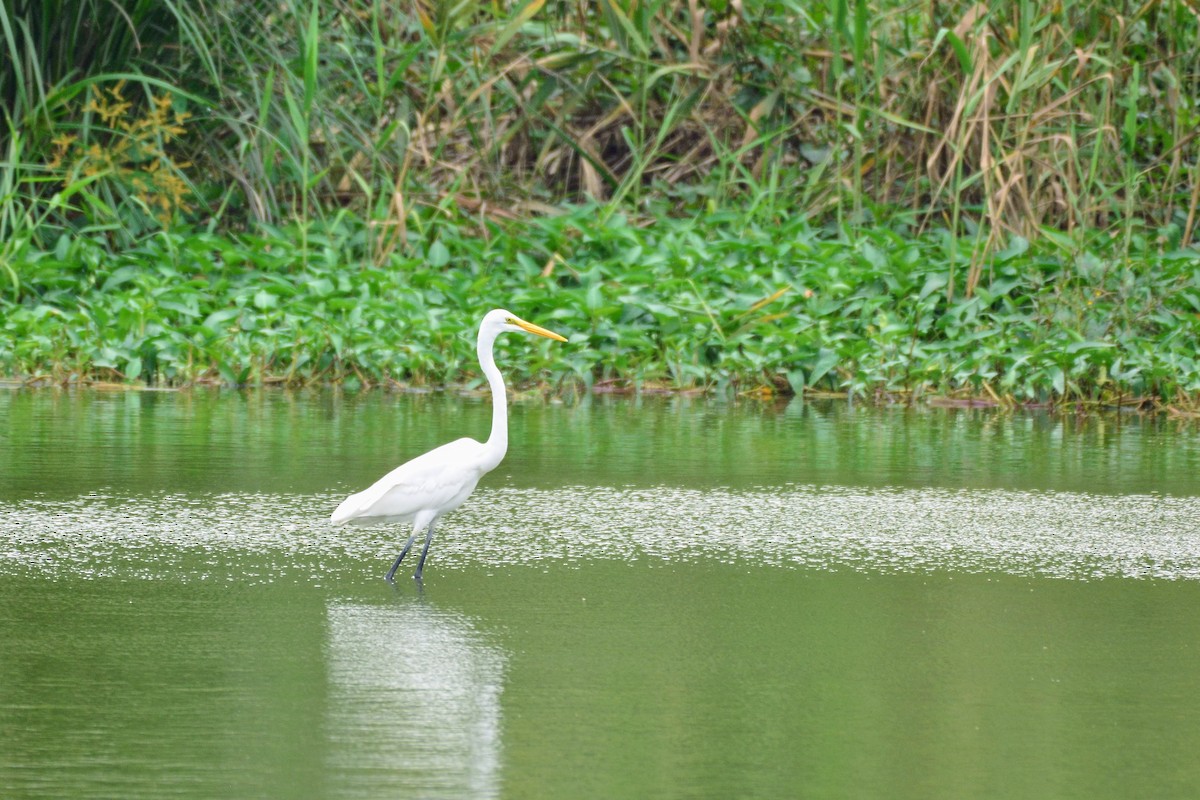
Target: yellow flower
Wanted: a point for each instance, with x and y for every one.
(132, 152)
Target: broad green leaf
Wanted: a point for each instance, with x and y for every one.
(438, 256)
(1075, 347)
(1058, 380)
(826, 360)
(934, 282)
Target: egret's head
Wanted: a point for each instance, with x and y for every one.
(501, 320)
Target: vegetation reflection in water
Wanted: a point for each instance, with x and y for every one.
(200, 443)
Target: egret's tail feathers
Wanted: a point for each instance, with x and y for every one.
(345, 511)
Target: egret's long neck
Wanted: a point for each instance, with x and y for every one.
(497, 443)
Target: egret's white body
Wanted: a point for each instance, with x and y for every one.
(422, 490)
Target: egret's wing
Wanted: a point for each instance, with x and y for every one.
(433, 481)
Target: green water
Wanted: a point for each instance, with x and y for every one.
(671, 598)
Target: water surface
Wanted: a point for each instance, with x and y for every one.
(671, 598)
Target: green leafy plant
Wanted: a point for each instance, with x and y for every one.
(718, 303)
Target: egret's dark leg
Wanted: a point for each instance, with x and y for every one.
(424, 552)
(392, 572)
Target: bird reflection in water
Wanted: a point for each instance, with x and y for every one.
(414, 703)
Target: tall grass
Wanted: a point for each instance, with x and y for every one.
(993, 121)
(90, 101)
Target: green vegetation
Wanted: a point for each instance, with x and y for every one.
(711, 303)
(886, 199)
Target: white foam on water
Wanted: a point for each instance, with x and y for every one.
(242, 537)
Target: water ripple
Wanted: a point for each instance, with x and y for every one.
(242, 537)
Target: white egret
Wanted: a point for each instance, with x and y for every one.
(422, 490)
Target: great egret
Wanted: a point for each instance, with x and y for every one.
(422, 490)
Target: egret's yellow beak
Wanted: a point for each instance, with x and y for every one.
(540, 331)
